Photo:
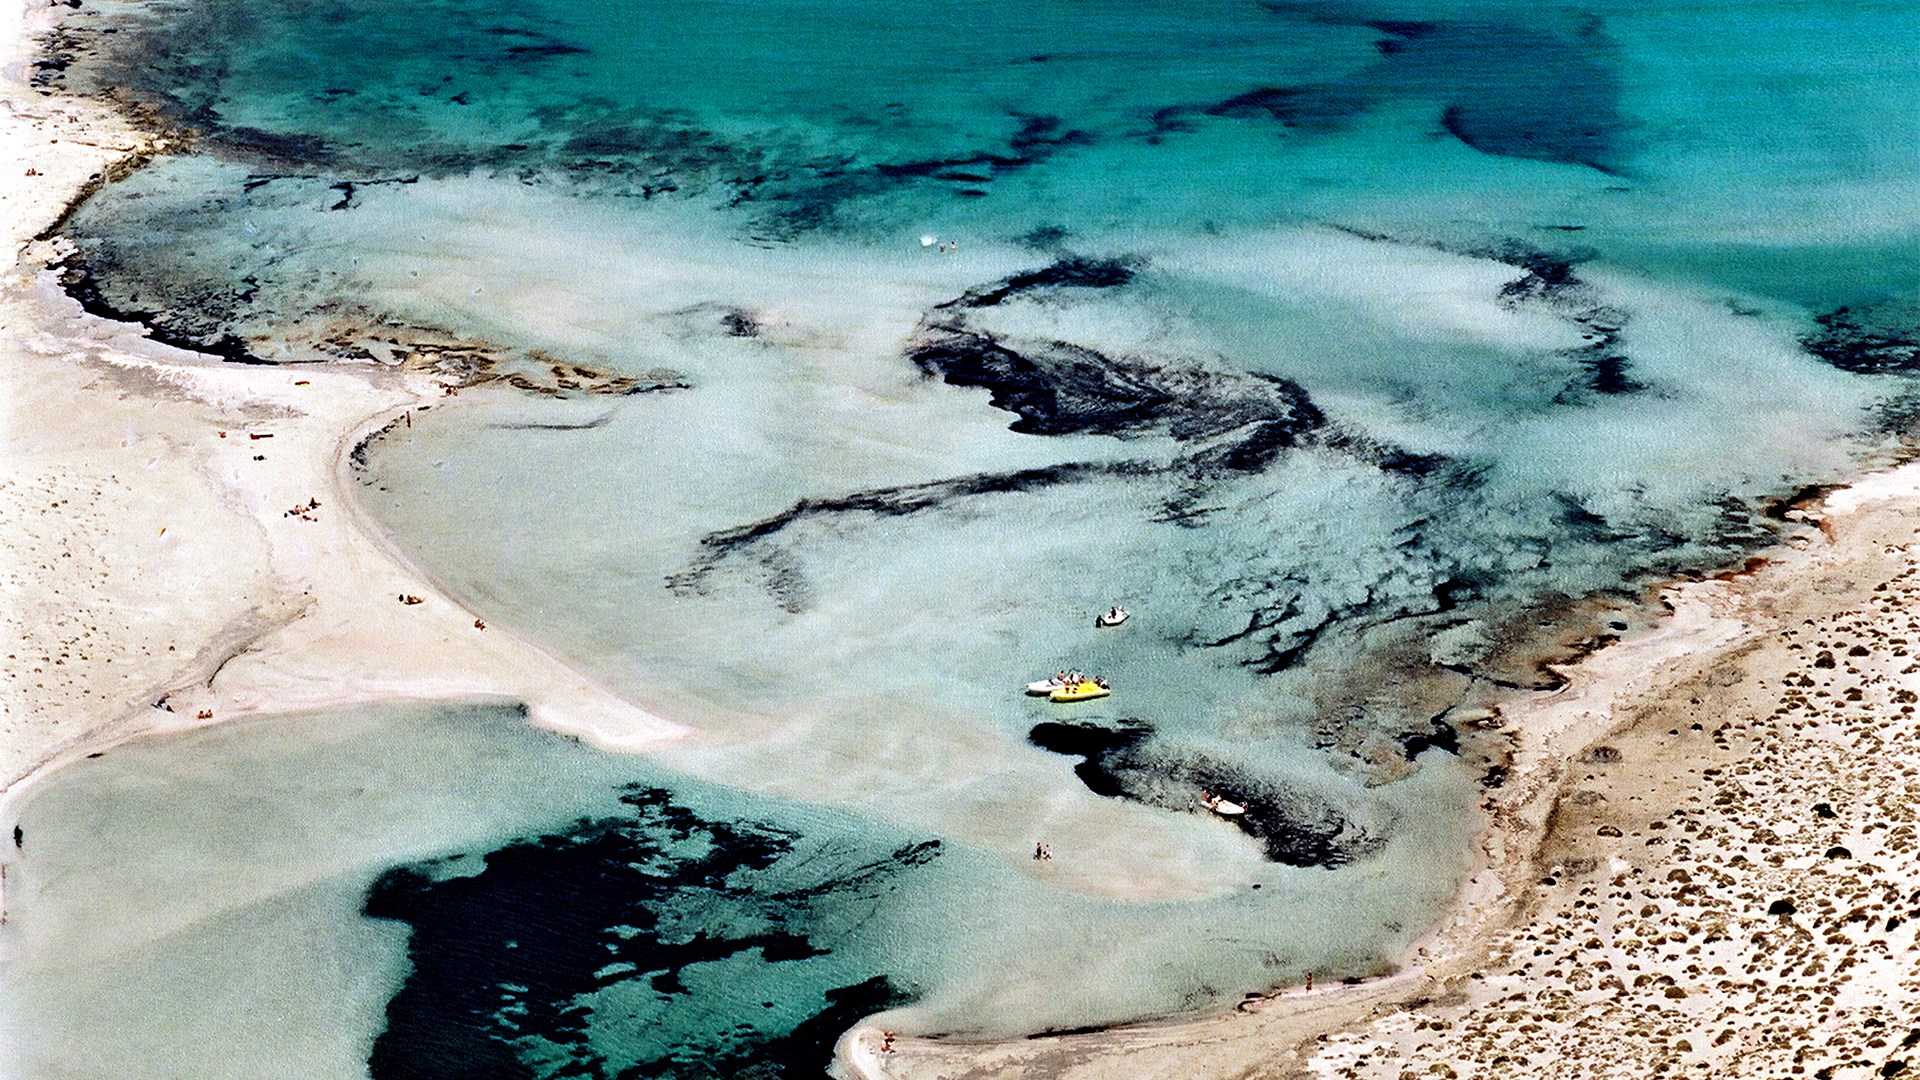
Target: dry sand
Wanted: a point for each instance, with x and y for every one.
(183, 545)
(1704, 860)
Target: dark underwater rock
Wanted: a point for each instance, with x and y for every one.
(1072, 271)
(1851, 341)
(1442, 736)
(782, 577)
(1061, 388)
(503, 960)
(1296, 827)
(1093, 745)
(198, 326)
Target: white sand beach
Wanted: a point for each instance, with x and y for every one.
(1702, 861)
(187, 548)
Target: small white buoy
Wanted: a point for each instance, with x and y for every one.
(928, 240)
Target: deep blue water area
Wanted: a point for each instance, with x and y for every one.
(816, 111)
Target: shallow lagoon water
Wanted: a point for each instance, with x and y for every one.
(448, 891)
(1370, 353)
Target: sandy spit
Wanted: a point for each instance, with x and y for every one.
(183, 544)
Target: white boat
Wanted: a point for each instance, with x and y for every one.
(1060, 680)
(1113, 617)
(1223, 807)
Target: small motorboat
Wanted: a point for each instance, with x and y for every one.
(1113, 616)
(1063, 677)
(1223, 807)
(1084, 690)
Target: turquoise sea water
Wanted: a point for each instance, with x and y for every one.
(1371, 354)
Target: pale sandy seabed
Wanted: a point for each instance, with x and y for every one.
(1703, 862)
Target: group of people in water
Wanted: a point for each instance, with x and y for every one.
(1076, 677)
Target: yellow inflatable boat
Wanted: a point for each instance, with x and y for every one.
(1084, 690)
